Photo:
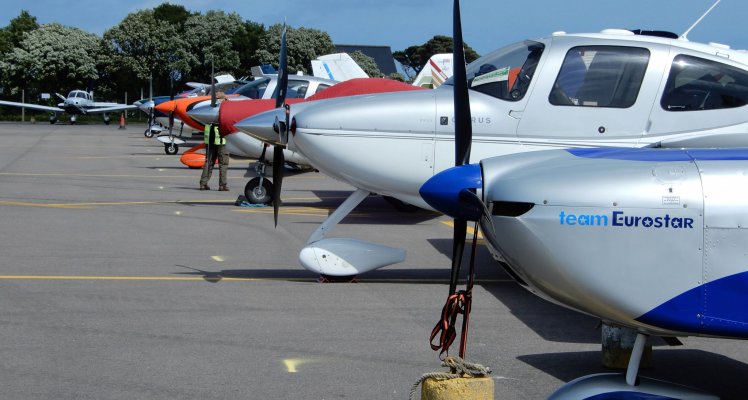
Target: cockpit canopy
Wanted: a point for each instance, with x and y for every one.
(80, 94)
(505, 73)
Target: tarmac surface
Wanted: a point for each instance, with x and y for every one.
(120, 280)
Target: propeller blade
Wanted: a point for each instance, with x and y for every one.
(458, 248)
(463, 119)
(280, 101)
(213, 100)
(457, 302)
(278, 161)
(171, 87)
(283, 71)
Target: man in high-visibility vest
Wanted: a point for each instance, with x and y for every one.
(215, 147)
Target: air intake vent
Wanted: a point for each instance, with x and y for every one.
(510, 208)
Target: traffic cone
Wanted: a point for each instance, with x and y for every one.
(122, 121)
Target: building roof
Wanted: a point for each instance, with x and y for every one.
(382, 55)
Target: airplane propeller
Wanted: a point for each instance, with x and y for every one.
(152, 108)
(471, 206)
(281, 128)
(213, 99)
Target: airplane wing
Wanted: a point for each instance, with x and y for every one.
(196, 85)
(31, 106)
(110, 107)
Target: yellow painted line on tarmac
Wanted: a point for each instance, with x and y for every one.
(119, 203)
(26, 204)
(470, 230)
(100, 175)
(130, 278)
(217, 278)
(307, 211)
(315, 211)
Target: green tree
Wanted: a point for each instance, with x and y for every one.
(368, 64)
(246, 42)
(145, 47)
(173, 14)
(12, 35)
(209, 37)
(414, 58)
(54, 58)
(303, 45)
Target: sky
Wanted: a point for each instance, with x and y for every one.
(487, 24)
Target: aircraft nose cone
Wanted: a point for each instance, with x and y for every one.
(166, 107)
(261, 127)
(204, 114)
(443, 191)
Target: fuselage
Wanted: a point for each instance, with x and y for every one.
(649, 238)
(589, 90)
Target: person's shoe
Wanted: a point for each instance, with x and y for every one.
(204, 187)
(224, 188)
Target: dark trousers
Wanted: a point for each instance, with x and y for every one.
(215, 151)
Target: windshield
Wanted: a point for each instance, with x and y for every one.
(255, 89)
(505, 73)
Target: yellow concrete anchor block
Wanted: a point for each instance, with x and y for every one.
(480, 388)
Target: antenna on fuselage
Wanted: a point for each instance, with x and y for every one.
(684, 36)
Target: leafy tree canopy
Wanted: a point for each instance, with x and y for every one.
(148, 48)
(368, 64)
(209, 38)
(173, 14)
(303, 45)
(414, 58)
(54, 58)
(12, 35)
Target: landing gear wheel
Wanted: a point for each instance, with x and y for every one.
(148, 133)
(400, 205)
(171, 149)
(259, 194)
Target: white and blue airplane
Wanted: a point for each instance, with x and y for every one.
(648, 238)
(78, 102)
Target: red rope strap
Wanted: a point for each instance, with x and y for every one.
(457, 303)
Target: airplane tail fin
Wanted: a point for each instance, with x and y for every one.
(437, 70)
(338, 67)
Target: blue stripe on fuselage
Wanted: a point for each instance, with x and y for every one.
(716, 308)
(661, 155)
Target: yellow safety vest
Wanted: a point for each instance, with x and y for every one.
(217, 139)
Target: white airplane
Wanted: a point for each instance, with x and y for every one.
(78, 102)
(612, 88)
(436, 71)
(647, 238)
